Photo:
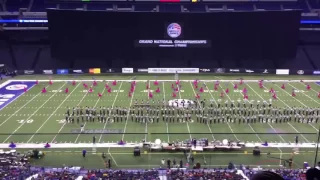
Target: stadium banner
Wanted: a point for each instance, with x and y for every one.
(49, 71)
(219, 70)
(109, 70)
(316, 72)
(95, 71)
(206, 70)
(141, 70)
(250, 71)
(266, 71)
(62, 71)
(173, 70)
(282, 71)
(28, 72)
(235, 70)
(127, 70)
(77, 71)
(300, 72)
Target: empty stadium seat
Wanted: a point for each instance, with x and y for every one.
(314, 54)
(6, 57)
(25, 55)
(15, 5)
(301, 61)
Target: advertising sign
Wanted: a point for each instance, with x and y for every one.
(28, 72)
(282, 71)
(127, 70)
(95, 71)
(62, 71)
(48, 71)
(173, 70)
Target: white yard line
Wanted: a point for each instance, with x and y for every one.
(146, 129)
(227, 122)
(186, 121)
(164, 99)
(311, 88)
(21, 108)
(125, 126)
(115, 162)
(34, 113)
(283, 103)
(66, 122)
(203, 107)
(314, 127)
(291, 108)
(305, 94)
(115, 99)
(255, 132)
(269, 125)
(250, 124)
(104, 89)
(52, 113)
(264, 100)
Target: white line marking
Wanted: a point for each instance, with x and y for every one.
(186, 121)
(112, 156)
(164, 99)
(255, 132)
(52, 114)
(250, 124)
(33, 114)
(291, 108)
(115, 99)
(93, 107)
(283, 103)
(203, 107)
(66, 122)
(264, 100)
(125, 126)
(227, 122)
(305, 94)
(146, 129)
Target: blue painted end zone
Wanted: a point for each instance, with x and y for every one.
(318, 83)
(13, 91)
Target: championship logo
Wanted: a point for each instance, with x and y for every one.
(174, 30)
(16, 87)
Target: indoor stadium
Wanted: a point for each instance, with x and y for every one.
(159, 90)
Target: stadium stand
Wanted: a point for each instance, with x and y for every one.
(28, 53)
(43, 56)
(5, 54)
(313, 52)
(301, 61)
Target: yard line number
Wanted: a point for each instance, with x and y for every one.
(22, 121)
(56, 91)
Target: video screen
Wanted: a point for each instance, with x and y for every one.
(221, 35)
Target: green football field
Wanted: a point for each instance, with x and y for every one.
(37, 117)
